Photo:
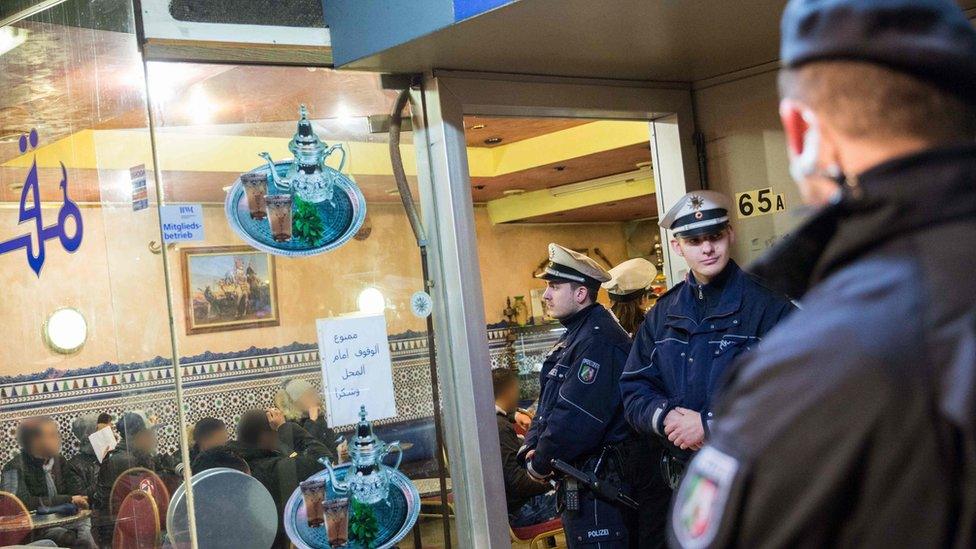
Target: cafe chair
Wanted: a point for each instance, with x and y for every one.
(137, 523)
(537, 536)
(139, 478)
(15, 521)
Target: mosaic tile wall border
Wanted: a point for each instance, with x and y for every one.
(226, 385)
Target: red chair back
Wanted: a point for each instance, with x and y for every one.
(139, 478)
(15, 520)
(137, 523)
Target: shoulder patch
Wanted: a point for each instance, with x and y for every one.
(588, 371)
(702, 498)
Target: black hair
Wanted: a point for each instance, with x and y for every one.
(252, 425)
(105, 417)
(592, 291)
(221, 456)
(206, 427)
(501, 378)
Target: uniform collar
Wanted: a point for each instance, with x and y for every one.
(889, 200)
(730, 282)
(577, 318)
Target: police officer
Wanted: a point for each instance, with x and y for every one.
(856, 425)
(580, 417)
(693, 333)
(628, 287)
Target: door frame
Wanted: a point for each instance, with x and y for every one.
(445, 191)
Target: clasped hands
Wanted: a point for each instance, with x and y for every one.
(684, 429)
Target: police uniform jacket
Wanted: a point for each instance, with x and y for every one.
(856, 426)
(579, 406)
(684, 346)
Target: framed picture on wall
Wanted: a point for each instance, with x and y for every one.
(228, 288)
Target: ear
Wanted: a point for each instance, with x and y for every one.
(731, 235)
(794, 124)
(676, 248)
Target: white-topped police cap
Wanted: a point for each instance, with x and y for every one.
(630, 280)
(569, 266)
(698, 213)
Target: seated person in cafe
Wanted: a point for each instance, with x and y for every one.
(37, 477)
(81, 476)
(220, 456)
(136, 448)
(529, 501)
(260, 435)
(104, 420)
(208, 433)
(301, 403)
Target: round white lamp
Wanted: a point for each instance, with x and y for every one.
(371, 301)
(65, 331)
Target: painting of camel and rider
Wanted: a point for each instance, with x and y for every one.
(228, 288)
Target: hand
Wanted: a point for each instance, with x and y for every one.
(523, 420)
(529, 455)
(686, 430)
(671, 419)
(80, 501)
(275, 418)
(313, 413)
(343, 451)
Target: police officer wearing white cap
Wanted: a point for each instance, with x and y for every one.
(580, 417)
(692, 335)
(856, 424)
(628, 286)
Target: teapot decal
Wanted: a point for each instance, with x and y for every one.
(307, 175)
(368, 480)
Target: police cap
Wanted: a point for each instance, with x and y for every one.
(929, 39)
(565, 265)
(698, 213)
(630, 280)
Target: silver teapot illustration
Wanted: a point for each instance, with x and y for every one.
(307, 176)
(367, 480)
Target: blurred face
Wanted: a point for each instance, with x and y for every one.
(707, 255)
(48, 442)
(812, 152)
(562, 300)
(309, 400)
(508, 399)
(213, 440)
(145, 440)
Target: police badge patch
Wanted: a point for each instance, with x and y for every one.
(702, 498)
(588, 371)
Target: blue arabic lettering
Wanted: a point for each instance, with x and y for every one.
(340, 356)
(344, 338)
(354, 373)
(342, 393)
(35, 255)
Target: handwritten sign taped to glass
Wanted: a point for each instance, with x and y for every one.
(356, 367)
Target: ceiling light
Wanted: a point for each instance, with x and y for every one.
(199, 106)
(11, 37)
(393, 192)
(371, 301)
(493, 140)
(65, 331)
(477, 127)
(642, 165)
(601, 182)
(513, 192)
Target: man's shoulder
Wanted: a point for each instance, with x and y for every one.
(759, 287)
(603, 330)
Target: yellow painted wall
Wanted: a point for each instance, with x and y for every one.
(118, 283)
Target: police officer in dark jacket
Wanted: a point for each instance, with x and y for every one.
(691, 336)
(580, 417)
(855, 426)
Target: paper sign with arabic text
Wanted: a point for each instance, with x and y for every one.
(356, 368)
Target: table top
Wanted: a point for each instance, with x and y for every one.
(50, 521)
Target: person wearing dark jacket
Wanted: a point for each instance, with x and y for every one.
(301, 404)
(37, 477)
(137, 448)
(208, 432)
(260, 437)
(854, 425)
(529, 501)
(81, 475)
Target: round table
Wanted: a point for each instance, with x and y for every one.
(50, 521)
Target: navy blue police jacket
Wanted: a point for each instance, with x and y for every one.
(580, 408)
(682, 350)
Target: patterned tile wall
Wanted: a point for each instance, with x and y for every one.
(227, 385)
